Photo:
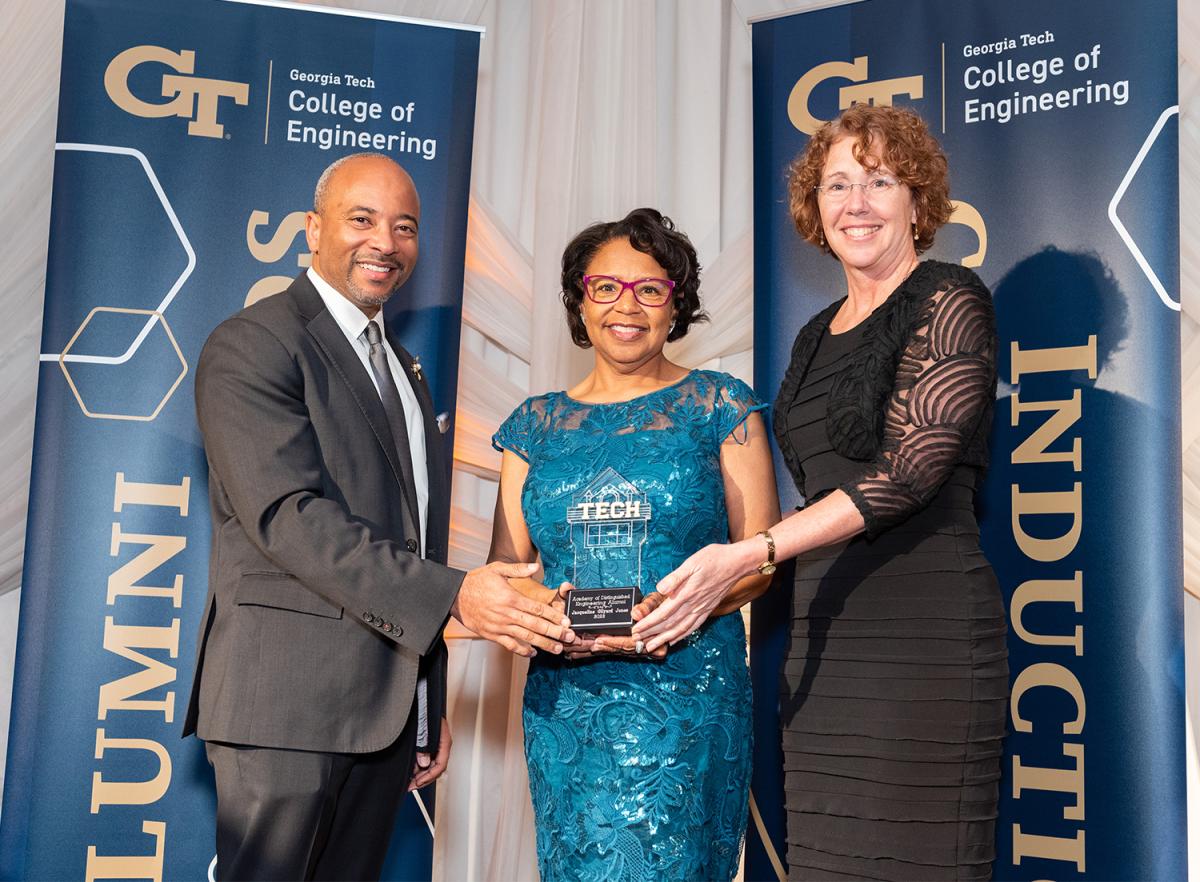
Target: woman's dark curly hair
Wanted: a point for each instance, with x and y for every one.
(900, 138)
(649, 232)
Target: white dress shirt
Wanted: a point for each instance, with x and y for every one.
(354, 325)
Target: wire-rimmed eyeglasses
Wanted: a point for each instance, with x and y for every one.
(839, 191)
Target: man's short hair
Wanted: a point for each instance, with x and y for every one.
(322, 187)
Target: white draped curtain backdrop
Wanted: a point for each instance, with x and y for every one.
(586, 109)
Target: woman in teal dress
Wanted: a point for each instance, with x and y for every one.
(639, 764)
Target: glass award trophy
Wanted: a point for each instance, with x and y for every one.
(609, 521)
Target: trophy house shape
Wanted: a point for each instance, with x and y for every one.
(609, 521)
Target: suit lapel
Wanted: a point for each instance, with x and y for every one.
(346, 364)
(439, 498)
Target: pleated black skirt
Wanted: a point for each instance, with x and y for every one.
(894, 701)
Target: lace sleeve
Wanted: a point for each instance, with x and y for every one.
(733, 403)
(945, 382)
(514, 433)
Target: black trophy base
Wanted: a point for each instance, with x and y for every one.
(603, 610)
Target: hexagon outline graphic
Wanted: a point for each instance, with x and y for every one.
(155, 315)
(183, 240)
(1147, 270)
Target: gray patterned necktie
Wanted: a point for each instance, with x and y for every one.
(393, 406)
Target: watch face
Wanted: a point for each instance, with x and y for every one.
(766, 569)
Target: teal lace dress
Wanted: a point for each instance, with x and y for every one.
(639, 769)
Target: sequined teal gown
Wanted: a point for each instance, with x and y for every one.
(639, 769)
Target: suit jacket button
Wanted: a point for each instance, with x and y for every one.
(368, 618)
(397, 630)
(387, 627)
(411, 545)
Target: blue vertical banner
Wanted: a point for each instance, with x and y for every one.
(1060, 121)
(190, 137)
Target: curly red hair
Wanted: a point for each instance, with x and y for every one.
(895, 137)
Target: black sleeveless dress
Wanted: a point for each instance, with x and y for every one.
(896, 680)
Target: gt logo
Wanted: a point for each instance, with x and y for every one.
(878, 92)
(192, 98)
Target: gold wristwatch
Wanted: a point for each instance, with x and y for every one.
(767, 567)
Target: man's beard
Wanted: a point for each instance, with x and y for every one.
(370, 298)
(364, 298)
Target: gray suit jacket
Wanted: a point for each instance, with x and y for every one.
(320, 611)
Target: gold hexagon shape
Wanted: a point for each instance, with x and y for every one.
(154, 315)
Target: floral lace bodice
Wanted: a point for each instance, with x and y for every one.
(638, 769)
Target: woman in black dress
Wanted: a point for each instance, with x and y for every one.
(896, 679)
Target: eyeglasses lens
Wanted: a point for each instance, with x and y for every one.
(840, 191)
(649, 292)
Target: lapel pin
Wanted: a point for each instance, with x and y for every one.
(416, 368)
(443, 422)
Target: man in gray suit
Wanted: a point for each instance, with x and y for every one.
(320, 677)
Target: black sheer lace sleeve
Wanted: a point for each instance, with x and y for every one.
(945, 387)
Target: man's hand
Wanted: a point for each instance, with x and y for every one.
(491, 607)
(428, 769)
(535, 590)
